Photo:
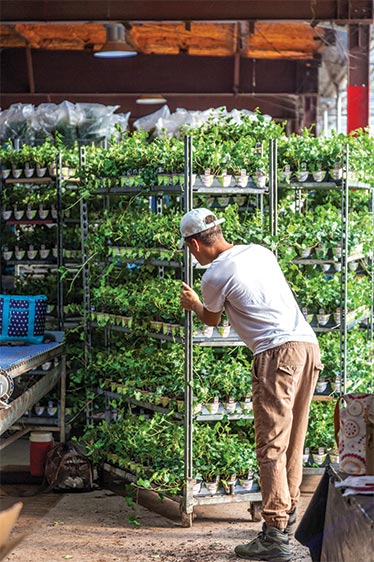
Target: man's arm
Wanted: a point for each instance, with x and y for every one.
(189, 300)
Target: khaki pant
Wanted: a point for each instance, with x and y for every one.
(283, 383)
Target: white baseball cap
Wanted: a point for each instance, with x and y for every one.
(193, 222)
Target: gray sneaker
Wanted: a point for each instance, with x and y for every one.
(271, 544)
(291, 525)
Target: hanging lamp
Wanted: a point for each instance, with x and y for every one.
(151, 99)
(115, 45)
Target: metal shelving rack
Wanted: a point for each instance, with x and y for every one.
(58, 262)
(188, 191)
(34, 356)
(346, 323)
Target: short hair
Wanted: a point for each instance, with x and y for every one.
(207, 237)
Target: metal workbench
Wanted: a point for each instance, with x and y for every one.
(20, 360)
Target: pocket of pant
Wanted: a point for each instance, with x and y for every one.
(285, 379)
(319, 368)
(289, 369)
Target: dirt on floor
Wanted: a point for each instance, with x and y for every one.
(97, 527)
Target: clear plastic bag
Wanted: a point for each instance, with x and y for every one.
(15, 122)
(96, 120)
(148, 122)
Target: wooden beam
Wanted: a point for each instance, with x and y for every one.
(30, 70)
(342, 12)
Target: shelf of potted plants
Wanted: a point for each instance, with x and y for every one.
(124, 251)
(131, 167)
(143, 315)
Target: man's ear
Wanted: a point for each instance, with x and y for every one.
(194, 244)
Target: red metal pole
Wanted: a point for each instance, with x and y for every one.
(358, 77)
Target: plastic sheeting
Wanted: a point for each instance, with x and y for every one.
(153, 120)
(172, 124)
(74, 121)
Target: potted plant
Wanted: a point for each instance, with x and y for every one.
(332, 149)
(320, 431)
(295, 153)
(14, 159)
(5, 159)
(44, 156)
(27, 154)
(323, 384)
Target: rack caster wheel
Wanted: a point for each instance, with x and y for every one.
(255, 511)
(187, 519)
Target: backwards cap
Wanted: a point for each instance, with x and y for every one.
(194, 222)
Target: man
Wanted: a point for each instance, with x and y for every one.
(247, 282)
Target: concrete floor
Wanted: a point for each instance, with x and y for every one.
(16, 454)
(97, 527)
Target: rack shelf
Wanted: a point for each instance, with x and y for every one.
(237, 494)
(158, 194)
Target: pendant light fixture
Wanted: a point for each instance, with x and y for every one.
(115, 45)
(151, 99)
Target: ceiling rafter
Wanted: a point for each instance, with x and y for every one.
(253, 40)
(343, 12)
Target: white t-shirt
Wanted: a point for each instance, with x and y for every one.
(248, 283)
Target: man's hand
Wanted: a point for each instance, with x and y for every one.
(190, 300)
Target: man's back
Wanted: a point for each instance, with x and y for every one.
(248, 282)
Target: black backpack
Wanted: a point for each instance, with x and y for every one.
(67, 469)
